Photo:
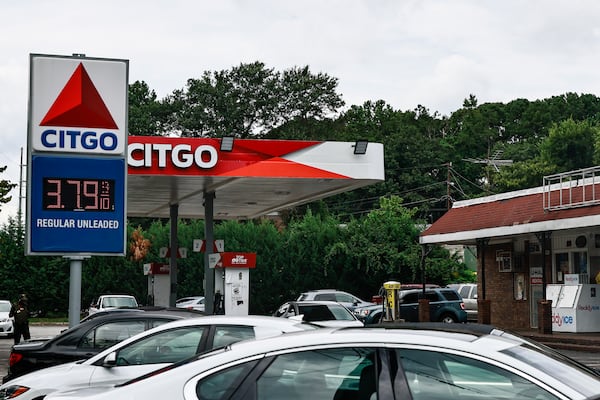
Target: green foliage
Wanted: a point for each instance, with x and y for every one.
(250, 99)
(146, 116)
(5, 188)
(569, 145)
(44, 279)
(522, 174)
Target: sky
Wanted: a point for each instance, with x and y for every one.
(433, 53)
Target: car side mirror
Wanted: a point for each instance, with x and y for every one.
(110, 360)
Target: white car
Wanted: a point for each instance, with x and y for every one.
(191, 303)
(109, 301)
(6, 322)
(323, 313)
(418, 363)
(348, 300)
(148, 351)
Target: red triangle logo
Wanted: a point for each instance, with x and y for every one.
(79, 105)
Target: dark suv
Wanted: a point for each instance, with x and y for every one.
(445, 305)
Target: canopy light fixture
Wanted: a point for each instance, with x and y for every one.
(360, 147)
(227, 143)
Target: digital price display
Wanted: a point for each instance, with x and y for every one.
(78, 194)
(77, 205)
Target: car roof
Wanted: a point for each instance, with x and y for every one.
(182, 312)
(119, 316)
(189, 298)
(429, 289)
(283, 324)
(434, 335)
(318, 302)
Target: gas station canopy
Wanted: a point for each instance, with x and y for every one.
(249, 179)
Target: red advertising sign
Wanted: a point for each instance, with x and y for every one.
(236, 260)
(156, 269)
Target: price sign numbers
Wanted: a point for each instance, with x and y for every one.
(77, 194)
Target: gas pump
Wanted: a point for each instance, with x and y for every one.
(233, 289)
(392, 304)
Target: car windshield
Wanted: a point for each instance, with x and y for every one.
(120, 302)
(4, 307)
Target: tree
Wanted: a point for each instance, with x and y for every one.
(569, 145)
(250, 99)
(146, 114)
(385, 242)
(5, 188)
(523, 175)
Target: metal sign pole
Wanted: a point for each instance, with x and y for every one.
(75, 290)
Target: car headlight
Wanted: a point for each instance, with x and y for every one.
(13, 391)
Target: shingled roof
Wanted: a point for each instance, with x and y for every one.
(514, 213)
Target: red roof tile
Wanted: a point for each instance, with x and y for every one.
(524, 208)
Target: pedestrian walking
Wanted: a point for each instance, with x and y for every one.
(20, 312)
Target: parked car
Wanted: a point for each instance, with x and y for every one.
(85, 340)
(109, 311)
(348, 300)
(403, 362)
(468, 292)
(148, 351)
(6, 322)
(191, 303)
(322, 313)
(445, 305)
(185, 300)
(108, 301)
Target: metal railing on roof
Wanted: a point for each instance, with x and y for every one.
(572, 189)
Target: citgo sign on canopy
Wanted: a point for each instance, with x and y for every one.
(77, 151)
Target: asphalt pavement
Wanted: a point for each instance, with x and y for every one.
(591, 359)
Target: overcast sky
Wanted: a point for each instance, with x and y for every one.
(405, 52)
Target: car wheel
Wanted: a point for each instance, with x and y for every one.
(448, 319)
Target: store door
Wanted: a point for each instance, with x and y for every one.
(536, 291)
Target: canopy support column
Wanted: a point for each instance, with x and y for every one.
(209, 273)
(174, 249)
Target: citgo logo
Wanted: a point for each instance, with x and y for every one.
(562, 320)
(79, 105)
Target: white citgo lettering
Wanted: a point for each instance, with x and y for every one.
(134, 147)
(181, 156)
(212, 160)
(162, 149)
(186, 159)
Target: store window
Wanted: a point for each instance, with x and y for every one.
(574, 262)
(561, 264)
(519, 287)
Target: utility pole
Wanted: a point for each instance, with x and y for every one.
(448, 165)
(20, 214)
